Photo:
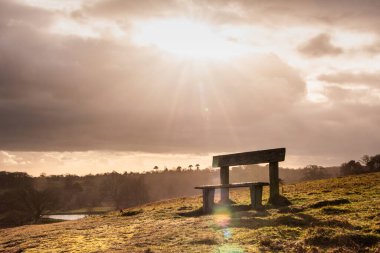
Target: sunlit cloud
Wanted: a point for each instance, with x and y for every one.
(351, 40)
(315, 91)
(189, 38)
(9, 159)
(89, 28)
(55, 5)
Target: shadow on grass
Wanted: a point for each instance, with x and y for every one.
(242, 216)
(205, 241)
(325, 237)
(193, 213)
(334, 210)
(232, 209)
(288, 209)
(132, 212)
(291, 220)
(333, 202)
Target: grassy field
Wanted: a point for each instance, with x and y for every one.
(334, 215)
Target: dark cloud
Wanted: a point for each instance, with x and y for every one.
(351, 14)
(67, 93)
(139, 103)
(319, 46)
(12, 14)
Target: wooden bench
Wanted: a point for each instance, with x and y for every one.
(271, 156)
(256, 190)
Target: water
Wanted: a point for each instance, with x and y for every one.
(65, 216)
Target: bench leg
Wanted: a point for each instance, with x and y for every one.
(208, 200)
(274, 188)
(256, 196)
(224, 196)
(224, 179)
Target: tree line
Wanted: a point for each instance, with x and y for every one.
(25, 199)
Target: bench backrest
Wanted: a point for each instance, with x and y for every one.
(254, 157)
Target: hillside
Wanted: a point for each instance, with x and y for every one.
(332, 215)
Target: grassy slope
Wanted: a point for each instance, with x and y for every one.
(161, 227)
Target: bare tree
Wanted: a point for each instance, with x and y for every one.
(35, 203)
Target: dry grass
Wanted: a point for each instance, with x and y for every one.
(335, 215)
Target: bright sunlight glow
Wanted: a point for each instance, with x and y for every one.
(187, 38)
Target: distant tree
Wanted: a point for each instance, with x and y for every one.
(197, 166)
(374, 163)
(351, 167)
(190, 167)
(10, 180)
(365, 160)
(35, 203)
(136, 191)
(313, 172)
(113, 187)
(179, 168)
(155, 167)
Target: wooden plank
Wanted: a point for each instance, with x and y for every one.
(237, 185)
(274, 189)
(254, 157)
(224, 179)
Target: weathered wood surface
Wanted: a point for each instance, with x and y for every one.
(254, 157)
(274, 190)
(208, 199)
(256, 190)
(236, 185)
(224, 179)
(256, 195)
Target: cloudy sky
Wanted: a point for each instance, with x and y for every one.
(89, 86)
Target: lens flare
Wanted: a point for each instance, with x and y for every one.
(222, 216)
(223, 221)
(227, 233)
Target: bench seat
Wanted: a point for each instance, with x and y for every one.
(236, 185)
(256, 190)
